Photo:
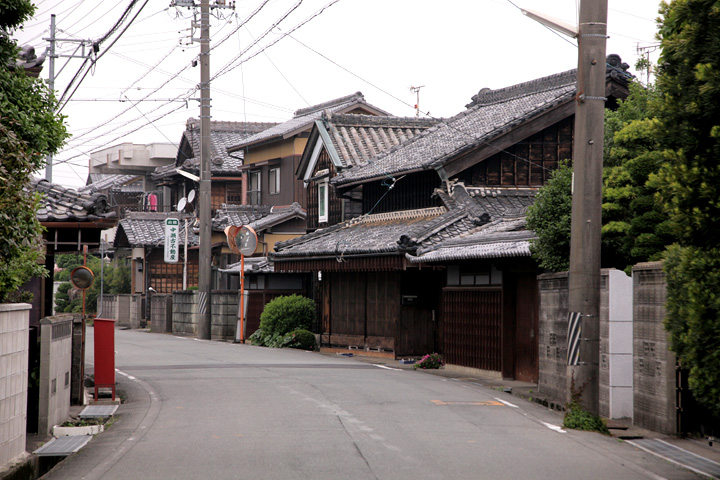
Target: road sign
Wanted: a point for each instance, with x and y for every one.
(172, 245)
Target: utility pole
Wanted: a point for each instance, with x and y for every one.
(82, 45)
(584, 275)
(416, 91)
(205, 266)
(51, 84)
(205, 197)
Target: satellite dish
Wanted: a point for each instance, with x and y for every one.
(82, 278)
(182, 203)
(191, 196)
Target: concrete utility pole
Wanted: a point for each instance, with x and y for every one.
(205, 266)
(51, 85)
(584, 275)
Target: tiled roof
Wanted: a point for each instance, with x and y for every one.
(106, 181)
(60, 204)
(258, 217)
(492, 113)
(467, 213)
(252, 265)
(303, 119)
(369, 234)
(144, 229)
(355, 138)
(222, 136)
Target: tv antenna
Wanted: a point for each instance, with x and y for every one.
(416, 91)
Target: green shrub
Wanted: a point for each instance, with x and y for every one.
(302, 339)
(287, 313)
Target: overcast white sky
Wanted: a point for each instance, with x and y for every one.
(379, 47)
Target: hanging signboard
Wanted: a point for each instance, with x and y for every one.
(172, 234)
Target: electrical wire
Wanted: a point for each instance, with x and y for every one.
(62, 105)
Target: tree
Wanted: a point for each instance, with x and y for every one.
(29, 130)
(549, 218)
(67, 300)
(688, 186)
(634, 227)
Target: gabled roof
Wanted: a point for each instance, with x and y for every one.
(222, 136)
(147, 229)
(352, 139)
(112, 181)
(304, 119)
(60, 204)
(258, 217)
(417, 233)
(492, 114)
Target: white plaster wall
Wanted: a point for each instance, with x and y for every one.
(14, 324)
(620, 346)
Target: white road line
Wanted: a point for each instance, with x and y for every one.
(506, 403)
(385, 367)
(125, 374)
(554, 427)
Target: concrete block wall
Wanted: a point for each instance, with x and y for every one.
(615, 369)
(654, 382)
(224, 314)
(14, 324)
(161, 313)
(552, 335)
(185, 312)
(56, 344)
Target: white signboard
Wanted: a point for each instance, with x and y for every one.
(172, 234)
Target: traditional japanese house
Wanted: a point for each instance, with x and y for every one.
(440, 260)
(176, 180)
(341, 141)
(272, 156)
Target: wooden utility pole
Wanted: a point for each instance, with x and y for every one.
(584, 275)
(205, 259)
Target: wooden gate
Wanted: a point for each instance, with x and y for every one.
(472, 327)
(526, 329)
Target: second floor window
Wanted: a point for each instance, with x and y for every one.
(254, 192)
(323, 201)
(274, 181)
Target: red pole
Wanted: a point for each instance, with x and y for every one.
(242, 298)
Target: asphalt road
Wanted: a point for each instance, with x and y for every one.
(211, 410)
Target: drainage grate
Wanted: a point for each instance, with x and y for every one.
(98, 411)
(63, 446)
(678, 455)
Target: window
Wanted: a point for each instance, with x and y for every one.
(274, 181)
(473, 275)
(323, 201)
(254, 188)
(233, 194)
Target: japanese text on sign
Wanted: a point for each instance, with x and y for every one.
(172, 231)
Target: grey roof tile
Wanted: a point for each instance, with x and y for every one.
(108, 181)
(252, 265)
(223, 135)
(258, 217)
(60, 204)
(356, 138)
(491, 113)
(147, 229)
(304, 118)
(474, 217)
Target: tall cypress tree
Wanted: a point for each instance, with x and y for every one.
(689, 186)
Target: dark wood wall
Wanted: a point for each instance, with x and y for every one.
(367, 310)
(528, 163)
(414, 191)
(168, 277)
